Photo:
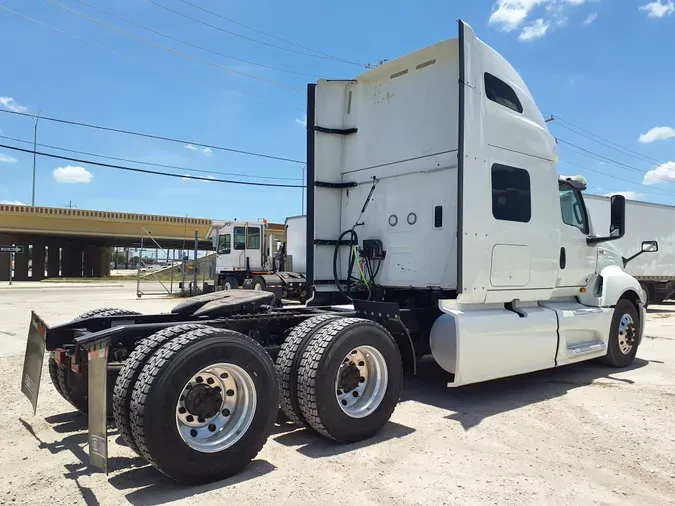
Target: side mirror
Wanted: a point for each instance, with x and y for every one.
(650, 246)
(617, 221)
(214, 241)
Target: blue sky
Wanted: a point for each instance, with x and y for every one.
(606, 66)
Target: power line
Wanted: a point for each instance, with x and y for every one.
(666, 192)
(147, 171)
(165, 166)
(189, 43)
(80, 39)
(643, 156)
(248, 38)
(270, 35)
(158, 137)
(170, 50)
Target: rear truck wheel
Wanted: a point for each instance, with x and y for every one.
(72, 386)
(350, 379)
(288, 363)
(230, 283)
(131, 370)
(623, 335)
(204, 405)
(258, 283)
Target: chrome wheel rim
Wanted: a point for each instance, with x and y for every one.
(258, 286)
(626, 334)
(227, 285)
(361, 381)
(216, 407)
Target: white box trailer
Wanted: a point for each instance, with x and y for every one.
(645, 221)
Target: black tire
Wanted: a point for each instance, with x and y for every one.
(648, 294)
(615, 357)
(288, 363)
(319, 366)
(260, 281)
(74, 387)
(232, 282)
(153, 407)
(131, 370)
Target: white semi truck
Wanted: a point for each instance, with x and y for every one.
(644, 221)
(436, 224)
(248, 255)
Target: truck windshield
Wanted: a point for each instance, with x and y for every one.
(572, 207)
(224, 242)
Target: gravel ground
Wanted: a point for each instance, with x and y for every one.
(582, 434)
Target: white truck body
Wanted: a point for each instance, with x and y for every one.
(241, 244)
(443, 158)
(645, 221)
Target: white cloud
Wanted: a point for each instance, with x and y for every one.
(658, 134)
(12, 202)
(6, 158)
(12, 105)
(302, 121)
(72, 174)
(658, 9)
(630, 195)
(534, 31)
(206, 151)
(591, 17)
(664, 173)
(510, 14)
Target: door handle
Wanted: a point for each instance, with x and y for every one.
(563, 258)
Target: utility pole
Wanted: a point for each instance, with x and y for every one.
(70, 204)
(35, 122)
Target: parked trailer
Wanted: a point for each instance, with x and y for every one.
(644, 221)
(436, 224)
(247, 256)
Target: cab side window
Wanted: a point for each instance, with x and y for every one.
(224, 242)
(572, 208)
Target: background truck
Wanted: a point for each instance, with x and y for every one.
(249, 255)
(644, 221)
(436, 224)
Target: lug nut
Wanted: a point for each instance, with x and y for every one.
(210, 381)
(200, 379)
(226, 412)
(190, 418)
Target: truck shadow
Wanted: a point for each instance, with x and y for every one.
(158, 489)
(472, 404)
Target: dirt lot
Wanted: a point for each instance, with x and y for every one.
(579, 435)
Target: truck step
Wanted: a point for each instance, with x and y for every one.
(583, 349)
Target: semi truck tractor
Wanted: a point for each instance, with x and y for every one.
(248, 256)
(436, 224)
(644, 221)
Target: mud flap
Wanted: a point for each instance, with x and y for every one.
(98, 426)
(34, 359)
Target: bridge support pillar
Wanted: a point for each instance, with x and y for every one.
(38, 259)
(92, 262)
(71, 260)
(104, 262)
(5, 258)
(53, 258)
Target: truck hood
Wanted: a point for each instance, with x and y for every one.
(608, 254)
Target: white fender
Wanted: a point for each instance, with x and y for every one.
(616, 282)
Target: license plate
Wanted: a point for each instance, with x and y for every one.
(35, 355)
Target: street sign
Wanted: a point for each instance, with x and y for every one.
(11, 249)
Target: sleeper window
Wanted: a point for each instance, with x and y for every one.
(511, 194)
(500, 92)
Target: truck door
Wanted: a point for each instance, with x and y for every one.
(577, 260)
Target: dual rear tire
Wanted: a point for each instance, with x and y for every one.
(341, 377)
